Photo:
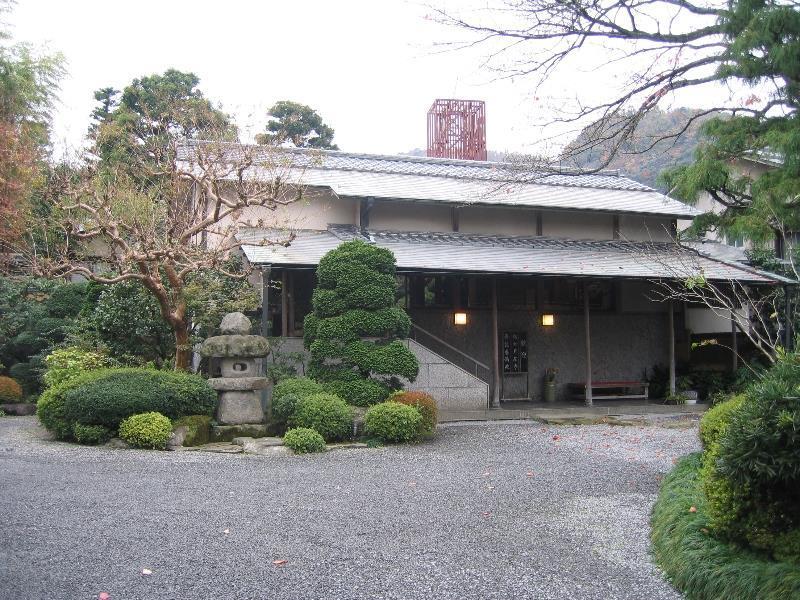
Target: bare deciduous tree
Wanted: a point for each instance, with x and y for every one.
(177, 217)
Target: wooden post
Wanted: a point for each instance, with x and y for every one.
(588, 388)
(495, 349)
(265, 273)
(671, 325)
(290, 297)
(734, 343)
(284, 304)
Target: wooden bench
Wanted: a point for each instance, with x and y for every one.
(612, 390)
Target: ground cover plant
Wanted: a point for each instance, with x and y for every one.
(426, 406)
(354, 330)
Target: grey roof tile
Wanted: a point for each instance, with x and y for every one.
(467, 253)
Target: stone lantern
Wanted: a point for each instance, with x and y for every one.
(239, 385)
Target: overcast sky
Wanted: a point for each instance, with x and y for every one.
(370, 67)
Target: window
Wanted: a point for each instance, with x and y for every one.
(438, 291)
(568, 294)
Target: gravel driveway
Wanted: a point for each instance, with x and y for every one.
(490, 510)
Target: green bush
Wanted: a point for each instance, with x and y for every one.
(66, 363)
(50, 407)
(715, 421)
(301, 387)
(119, 393)
(302, 440)
(27, 375)
(283, 409)
(198, 429)
(698, 564)
(91, 434)
(424, 403)
(146, 430)
(392, 422)
(10, 390)
(326, 413)
(360, 392)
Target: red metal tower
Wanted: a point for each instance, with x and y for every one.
(457, 129)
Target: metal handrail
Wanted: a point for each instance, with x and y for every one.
(451, 348)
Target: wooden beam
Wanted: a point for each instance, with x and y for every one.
(586, 325)
(671, 336)
(495, 349)
(265, 273)
(284, 304)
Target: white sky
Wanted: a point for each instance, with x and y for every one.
(368, 67)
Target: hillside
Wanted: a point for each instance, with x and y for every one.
(645, 166)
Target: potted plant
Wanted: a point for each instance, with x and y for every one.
(684, 386)
(550, 384)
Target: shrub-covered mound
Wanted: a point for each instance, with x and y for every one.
(392, 422)
(10, 390)
(698, 564)
(426, 406)
(146, 430)
(302, 440)
(119, 393)
(327, 414)
(107, 396)
(285, 396)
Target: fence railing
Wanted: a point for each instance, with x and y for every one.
(456, 356)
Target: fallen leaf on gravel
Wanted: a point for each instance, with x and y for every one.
(529, 473)
(487, 473)
(279, 563)
(489, 487)
(486, 514)
(412, 483)
(103, 596)
(556, 437)
(227, 531)
(146, 572)
(693, 509)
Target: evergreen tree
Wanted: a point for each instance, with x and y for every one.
(298, 125)
(355, 329)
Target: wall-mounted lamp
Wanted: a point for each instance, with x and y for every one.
(548, 320)
(460, 318)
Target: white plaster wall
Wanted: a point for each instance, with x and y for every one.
(410, 216)
(644, 229)
(705, 320)
(497, 220)
(577, 225)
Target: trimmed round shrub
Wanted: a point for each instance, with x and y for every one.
(392, 422)
(327, 414)
(424, 403)
(67, 363)
(10, 390)
(91, 434)
(198, 429)
(146, 430)
(115, 394)
(302, 440)
(27, 375)
(715, 421)
(300, 387)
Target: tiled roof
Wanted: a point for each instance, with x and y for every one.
(467, 253)
(465, 182)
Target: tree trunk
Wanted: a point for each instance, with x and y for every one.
(183, 349)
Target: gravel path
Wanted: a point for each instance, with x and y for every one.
(491, 510)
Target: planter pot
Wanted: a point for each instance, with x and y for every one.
(550, 392)
(691, 396)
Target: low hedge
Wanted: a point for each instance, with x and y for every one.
(302, 440)
(91, 434)
(716, 420)
(299, 387)
(115, 394)
(701, 566)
